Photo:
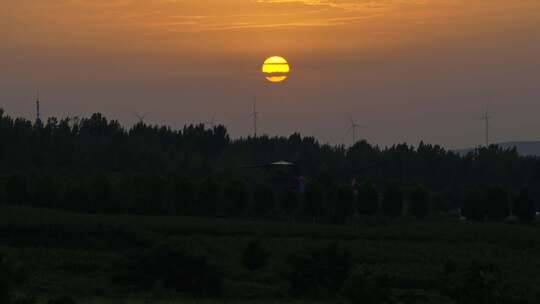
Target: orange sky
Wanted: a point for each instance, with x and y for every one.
(409, 69)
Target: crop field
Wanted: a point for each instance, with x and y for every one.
(77, 255)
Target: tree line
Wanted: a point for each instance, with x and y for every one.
(96, 165)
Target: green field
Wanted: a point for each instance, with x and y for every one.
(73, 254)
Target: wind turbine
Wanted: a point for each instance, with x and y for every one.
(486, 117)
(354, 126)
(75, 120)
(255, 116)
(211, 123)
(38, 114)
(141, 117)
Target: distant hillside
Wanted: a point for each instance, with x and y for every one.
(525, 148)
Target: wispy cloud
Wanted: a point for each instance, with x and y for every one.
(235, 15)
(359, 5)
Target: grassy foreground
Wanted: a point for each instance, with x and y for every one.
(74, 254)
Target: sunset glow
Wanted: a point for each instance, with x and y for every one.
(387, 60)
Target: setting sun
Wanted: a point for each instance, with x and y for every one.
(276, 69)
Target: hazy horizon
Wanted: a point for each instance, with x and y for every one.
(408, 70)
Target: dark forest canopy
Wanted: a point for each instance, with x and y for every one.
(96, 164)
(95, 144)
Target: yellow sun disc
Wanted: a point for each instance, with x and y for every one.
(276, 69)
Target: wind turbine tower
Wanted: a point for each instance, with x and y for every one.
(255, 116)
(354, 126)
(486, 118)
(38, 114)
(211, 123)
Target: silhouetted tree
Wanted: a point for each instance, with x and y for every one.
(17, 190)
(343, 204)
(148, 195)
(314, 200)
(208, 197)
(392, 204)
(524, 207)
(100, 193)
(497, 205)
(46, 192)
(70, 150)
(184, 191)
(368, 199)
(263, 200)
(473, 205)
(235, 197)
(289, 201)
(419, 202)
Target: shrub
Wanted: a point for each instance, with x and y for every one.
(318, 272)
(419, 206)
(6, 285)
(477, 283)
(12, 279)
(366, 286)
(61, 300)
(255, 255)
(170, 268)
(23, 299)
